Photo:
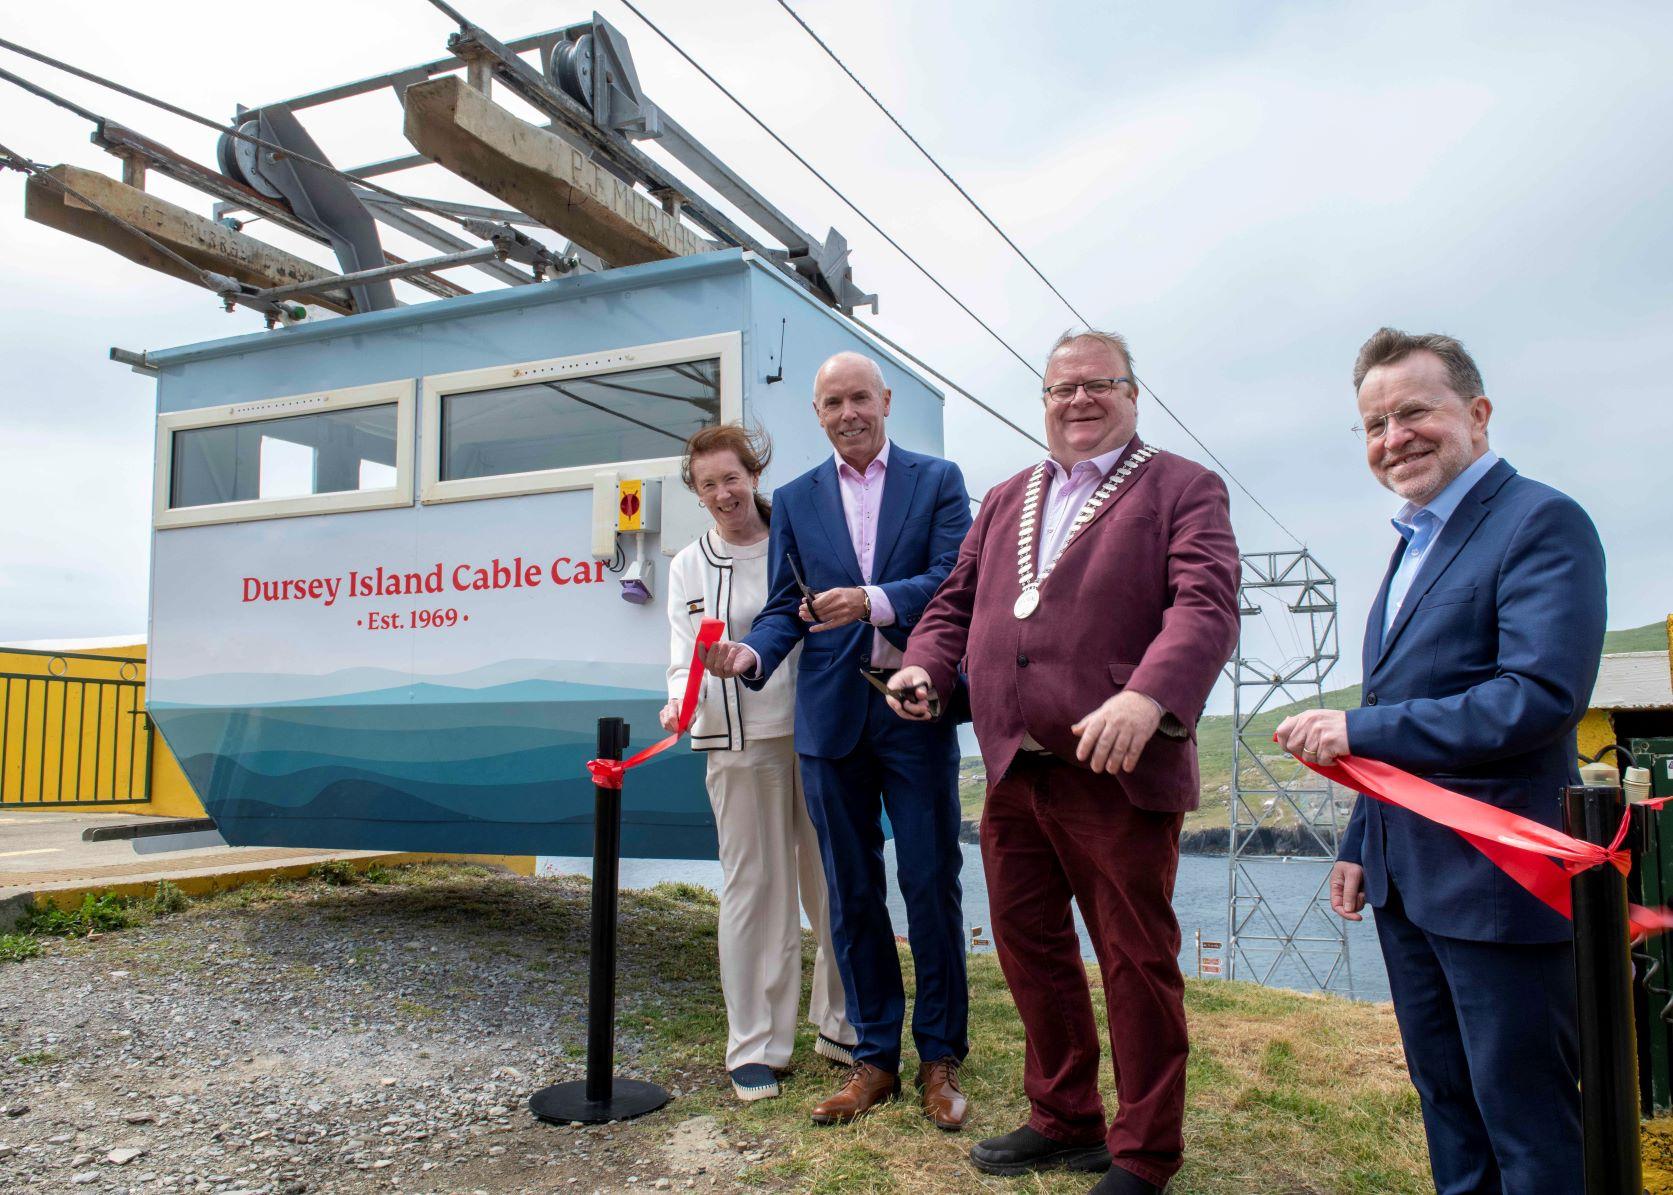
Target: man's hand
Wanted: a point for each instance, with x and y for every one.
(1347, 890)
(914, 695)
(726, 659)
(1315, 736)
(670, 716)
(837, 608)
(1113, 735)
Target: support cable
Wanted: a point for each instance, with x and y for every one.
(931, 160)
(947, 381)
(1003, 235)
(832, 187)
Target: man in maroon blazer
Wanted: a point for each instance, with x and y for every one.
(1093, 605)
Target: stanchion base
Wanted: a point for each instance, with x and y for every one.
(567, 1103)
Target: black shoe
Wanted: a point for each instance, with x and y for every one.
(1124, 1182)
(1023, 1150)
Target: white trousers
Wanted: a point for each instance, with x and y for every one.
(768, 857)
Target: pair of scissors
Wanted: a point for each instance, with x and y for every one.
(877, 683)
(807, 594)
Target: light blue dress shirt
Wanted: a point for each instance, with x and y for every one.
(1421, 526)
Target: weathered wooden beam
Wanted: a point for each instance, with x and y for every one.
(199, 240)
(538, 172)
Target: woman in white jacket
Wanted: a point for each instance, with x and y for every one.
(768, 851)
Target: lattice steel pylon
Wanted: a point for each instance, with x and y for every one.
(1277, 807)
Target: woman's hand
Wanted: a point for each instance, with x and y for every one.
(670, 716)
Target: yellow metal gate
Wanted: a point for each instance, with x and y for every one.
(73, 729)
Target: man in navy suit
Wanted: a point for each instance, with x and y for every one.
(873, 531)
(1480, 654)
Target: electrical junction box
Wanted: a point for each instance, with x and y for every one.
(639, 504)
(661, 505)
(623, 505)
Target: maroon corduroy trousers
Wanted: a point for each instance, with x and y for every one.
(1052, 831)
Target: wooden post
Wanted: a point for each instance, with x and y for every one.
(198, 239)
(539, 173)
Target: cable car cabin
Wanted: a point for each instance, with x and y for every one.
(403, 561)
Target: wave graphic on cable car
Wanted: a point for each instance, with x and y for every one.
(479, 768)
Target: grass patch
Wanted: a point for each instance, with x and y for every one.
(1259, 1118)
(419, 1012)
(168, 899)
(336, 872)
(14, 948)
(97, 914)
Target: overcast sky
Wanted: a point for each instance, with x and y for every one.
(1246, 191)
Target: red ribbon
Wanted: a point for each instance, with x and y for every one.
(607, 773)
(1540, 859)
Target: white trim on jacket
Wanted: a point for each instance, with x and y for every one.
(699, 587)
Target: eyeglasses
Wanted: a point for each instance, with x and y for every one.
(1411, 417)
(1094, 387)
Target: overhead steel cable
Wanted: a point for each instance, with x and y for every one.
(207, 122)
(832, 187)
(947, 381)
(1026, 260)
(916, 144)
(962, 306)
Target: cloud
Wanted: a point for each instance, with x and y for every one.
(1246, 190)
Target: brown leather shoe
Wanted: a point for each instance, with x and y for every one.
(939, 1093)
(863, 1088)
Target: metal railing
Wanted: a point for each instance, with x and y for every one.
(75, 733)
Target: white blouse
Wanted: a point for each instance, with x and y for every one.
(715, 579)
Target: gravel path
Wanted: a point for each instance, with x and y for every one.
(311, 1038)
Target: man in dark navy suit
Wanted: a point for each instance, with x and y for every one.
(873, 532)
(1480, 654)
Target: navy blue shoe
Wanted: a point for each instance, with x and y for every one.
(753, 1081)
(834, 1051)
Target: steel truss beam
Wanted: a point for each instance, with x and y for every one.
(1272, 795)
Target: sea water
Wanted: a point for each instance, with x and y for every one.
(1199, 901)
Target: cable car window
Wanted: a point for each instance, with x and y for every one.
(328, 452)
(560, 423)
(540, 427)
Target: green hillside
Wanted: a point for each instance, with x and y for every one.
(1214, 733)
(1214, 736)
(1650, 637)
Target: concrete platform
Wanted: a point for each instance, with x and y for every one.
(43, 858)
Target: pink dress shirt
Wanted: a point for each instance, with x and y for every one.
(1067, 492)
(862, 503)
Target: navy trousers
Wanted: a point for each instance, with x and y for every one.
(910, 770)
(1493, 1049)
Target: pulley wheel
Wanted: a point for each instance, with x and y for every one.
(571, 68)
(241, 160)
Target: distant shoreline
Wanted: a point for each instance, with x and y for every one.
(1285, 841)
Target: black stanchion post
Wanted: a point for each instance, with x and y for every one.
(1603, 976)
(602, 1097)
